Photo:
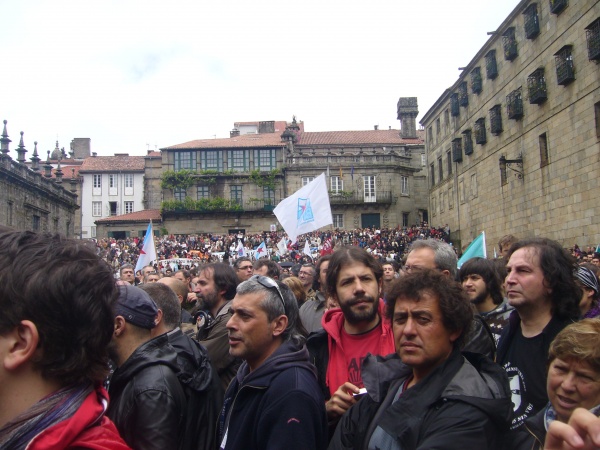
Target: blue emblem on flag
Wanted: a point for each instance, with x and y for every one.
(305, 213)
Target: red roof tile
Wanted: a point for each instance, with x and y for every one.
(336, 138)
(67, 172)
(113, 164)
(243, 141)
(138, 216)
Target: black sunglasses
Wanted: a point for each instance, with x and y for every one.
(269, 283)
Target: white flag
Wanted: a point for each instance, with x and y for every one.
(148, 251)
(282, 246)
(305, 210)
(307, 249)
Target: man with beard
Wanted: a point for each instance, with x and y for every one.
(482, 284)
(215, 290)
(357, 327)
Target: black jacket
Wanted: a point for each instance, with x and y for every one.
(277, 406)
(463, 404)
(147, 402)
(531, 435)
(203, 392)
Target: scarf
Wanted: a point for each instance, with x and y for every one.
(54, 408)
(550, 414)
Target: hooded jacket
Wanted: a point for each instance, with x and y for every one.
(276, 406)
(147, 400)
(462, 404)
(325, 346)
(203, 392)
(88, 428)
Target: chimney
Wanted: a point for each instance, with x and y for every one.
(376, 127)
(408, 111)
(235, 132)
(94, 154)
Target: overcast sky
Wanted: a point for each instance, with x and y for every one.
(129, 74)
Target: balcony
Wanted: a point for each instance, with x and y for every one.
(454, 110)
(468, 142)
(457, 155)
(496, 120)
(514, 104)
(592, 33)
(536, 87)
(463, 95)
(557, 6)
(491, 68)
(532, 22)
(509, 42)
(565, 70)
(480, 134)
(476, 82)
(355, 198)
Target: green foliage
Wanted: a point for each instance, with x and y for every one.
(265, 179)
(181, 179)
(202, 205)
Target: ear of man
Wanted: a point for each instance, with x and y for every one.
(279, 325)
(23, 343)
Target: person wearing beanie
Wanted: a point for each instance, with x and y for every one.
(147, 402)
(588, 282)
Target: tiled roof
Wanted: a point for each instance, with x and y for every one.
(279, 125)
(153, 154)
(66, 170)
(113, 164)
(138, 216)
(335, 138)
(243, 141)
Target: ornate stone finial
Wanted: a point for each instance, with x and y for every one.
(48, 167)
(58, 173)
(21, 150)
(73, 181)
(35, 160)
(56, 154)
(4, 141)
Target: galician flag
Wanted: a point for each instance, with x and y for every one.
(305, 210)
(148, 251)
(307, 249)
(281, 245)
(475, 248)
(240, 250)
(261, 251)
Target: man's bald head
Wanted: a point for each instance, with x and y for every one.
(177, 286)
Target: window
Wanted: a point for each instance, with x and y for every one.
(449, 162)
(211, 160)
(238, 160)
(491, 68)
(236, 194)
(179, 194)
(437, 126)
(306, 180)
(433, 205)
(202, 192)
(97, 180)
(442, 202)
(474, 185)
(532, 22)
(565, 71)
(543, 150)
(112, 180)
(114, 208)
(430, 135)
(461, 191)
(468, 142)
(557, 6)
(337, 185)
(446, 120)
(536, 87)
(184, 160)
(269, 196)
(450, 198)
(454, 104)
(128, 207)
(97, 209)
(128, 180)
(496, 120)
(440, 169)
(597, 113)
(423, 159)
(457, 150)
(93, 232)
(403, 185)
(509, 42)
(476, 82)
(369, 188)
(264, 160)
(432, 175)
(480, 135)
(592, 34)
(405, 216)
(338, 220)
(463, 94)
(514, 105)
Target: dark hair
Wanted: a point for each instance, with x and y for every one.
(224, 277)
(486, 270)
(167, 301)
(125, 266)
(186, 273)
(272, 305)
(558, 267)
(321, 260)
(348, 255)
(238, 262)
(272, 267)
(506, 241)
(457, 311)
(394, 265)
(68, 292)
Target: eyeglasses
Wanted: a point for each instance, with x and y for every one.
(269, 283)
(245, 267)
(407, 268)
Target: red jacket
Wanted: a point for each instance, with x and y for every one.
(88, 428)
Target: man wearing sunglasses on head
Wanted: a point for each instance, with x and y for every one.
(274, 401)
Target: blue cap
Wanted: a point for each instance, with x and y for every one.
(136, 307)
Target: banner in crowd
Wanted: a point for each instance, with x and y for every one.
(475, 248)
(148, 251)
(306, 210)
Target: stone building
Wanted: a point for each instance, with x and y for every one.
(35, 198)
(513, 144)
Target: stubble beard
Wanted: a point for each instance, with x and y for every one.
(355, 317)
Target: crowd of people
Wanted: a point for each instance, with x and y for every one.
(381, 343)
